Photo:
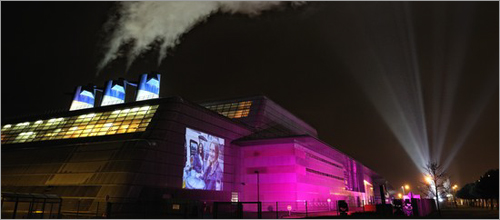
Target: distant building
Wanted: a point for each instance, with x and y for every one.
(171, 151)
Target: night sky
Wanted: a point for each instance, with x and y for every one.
(312, 60)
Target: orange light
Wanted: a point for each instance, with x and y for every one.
(400, 195)
(428, 179)
(407, 186)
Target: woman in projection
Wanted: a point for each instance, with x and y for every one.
(213, 173)
(198, 160)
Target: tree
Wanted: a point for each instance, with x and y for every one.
(435, 179)
(484, 188)
(487, 186)
(467, 192)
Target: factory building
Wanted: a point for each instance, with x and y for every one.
(170, 151)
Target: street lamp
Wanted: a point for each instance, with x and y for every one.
(428, 179)
(400, 195)
(258, 183)
(455, 192)
(405, 187)
(329, 200)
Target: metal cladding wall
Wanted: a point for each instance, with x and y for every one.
(302, 168)
(132, 167)
(169, 132)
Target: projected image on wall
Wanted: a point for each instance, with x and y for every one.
(204, 161)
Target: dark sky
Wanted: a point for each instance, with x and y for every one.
(309, 60)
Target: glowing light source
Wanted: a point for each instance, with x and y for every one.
(26, 133)
(400, 195)
(428, 179)
(328, 200)
(407, 186)
(114, 92)
(84, 98)
(85, 125)
(23, 124)
(149, 87)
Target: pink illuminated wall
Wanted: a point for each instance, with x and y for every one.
(292, 172)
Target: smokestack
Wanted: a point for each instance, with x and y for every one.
(114, 92)
(84, 97)
(149, 86)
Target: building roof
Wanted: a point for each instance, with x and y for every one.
(264, 115)
(124, 118)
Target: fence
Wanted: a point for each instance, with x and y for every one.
(30, 205)
(233, 210)
(279, 209)
(155, 209)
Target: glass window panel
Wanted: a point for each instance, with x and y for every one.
(129, 117)
(101, 123)
(84, 135)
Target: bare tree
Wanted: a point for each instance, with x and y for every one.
(434, 182)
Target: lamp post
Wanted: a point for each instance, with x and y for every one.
(258, 183)
(329, 200)
(405, 187)
(454, 194)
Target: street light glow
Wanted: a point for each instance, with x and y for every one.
(428, 179)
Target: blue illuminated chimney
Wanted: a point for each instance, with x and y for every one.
(84, 97)
(114, 93)
(149, 86)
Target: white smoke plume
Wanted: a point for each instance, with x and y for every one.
(142, 26)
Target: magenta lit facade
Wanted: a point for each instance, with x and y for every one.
(294, 165)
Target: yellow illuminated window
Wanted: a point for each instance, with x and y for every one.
(94, 124)
(233, 110)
